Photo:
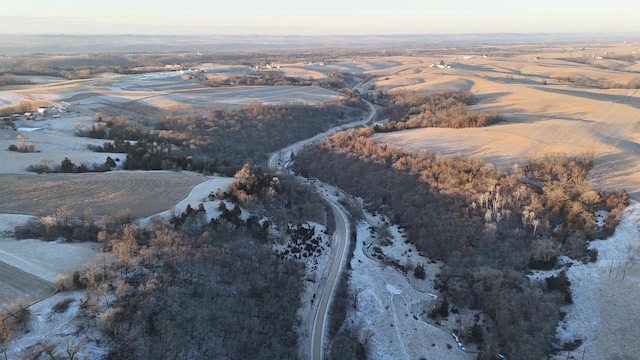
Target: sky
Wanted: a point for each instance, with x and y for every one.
(328, 17)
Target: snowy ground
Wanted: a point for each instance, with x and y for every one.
(606, 311)
(391, 306)
(62, 329)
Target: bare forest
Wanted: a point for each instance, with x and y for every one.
(221, 142)
(490, 226)
(409, 110)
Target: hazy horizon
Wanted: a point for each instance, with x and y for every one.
(329, 17)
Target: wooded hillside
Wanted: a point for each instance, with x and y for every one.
(490, 226)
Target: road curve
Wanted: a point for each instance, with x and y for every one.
(279, 160)
(339, 255)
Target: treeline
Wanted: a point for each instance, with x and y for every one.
(118, 127)
(70, 67)
(67, 166)
(8, 79)
(225, 139)
(489, 226)
(408, 110)
(584, 81)
(335, 80)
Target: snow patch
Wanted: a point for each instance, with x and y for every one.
(394, 290)
(199, 195)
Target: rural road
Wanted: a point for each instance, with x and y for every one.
(339, 255)
(279, 160)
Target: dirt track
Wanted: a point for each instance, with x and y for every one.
(143, 192)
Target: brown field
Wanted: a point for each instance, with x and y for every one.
(19, 284)
(540, 119)
(143, 192)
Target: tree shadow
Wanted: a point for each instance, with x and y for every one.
(620, 99)
(491, 97)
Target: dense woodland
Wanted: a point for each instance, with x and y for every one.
(490, 226)
(224, 140)
(214, 289)
(408, 110)
(193, 288)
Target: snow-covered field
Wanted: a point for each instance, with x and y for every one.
(9, 98)
(605, 313)
(42, 259)
(167, 90)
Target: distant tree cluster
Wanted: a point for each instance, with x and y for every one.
(408, 110)
(67, 166)
(584, 81)
(8, 79)
(335, 80)
(70, 67)
(488, 226)
(116, 128)
(66, 224)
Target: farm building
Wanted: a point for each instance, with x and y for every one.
(44, 111)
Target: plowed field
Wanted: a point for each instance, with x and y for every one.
(143, 192)
(16, 283)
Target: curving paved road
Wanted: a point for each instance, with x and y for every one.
(341, 234)
(279, 160)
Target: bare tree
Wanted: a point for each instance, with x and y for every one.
(19, 311)
(5, 336)
(48, 348)
(23, 143)
(64, 214)
(125, 247)
(74, 346)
